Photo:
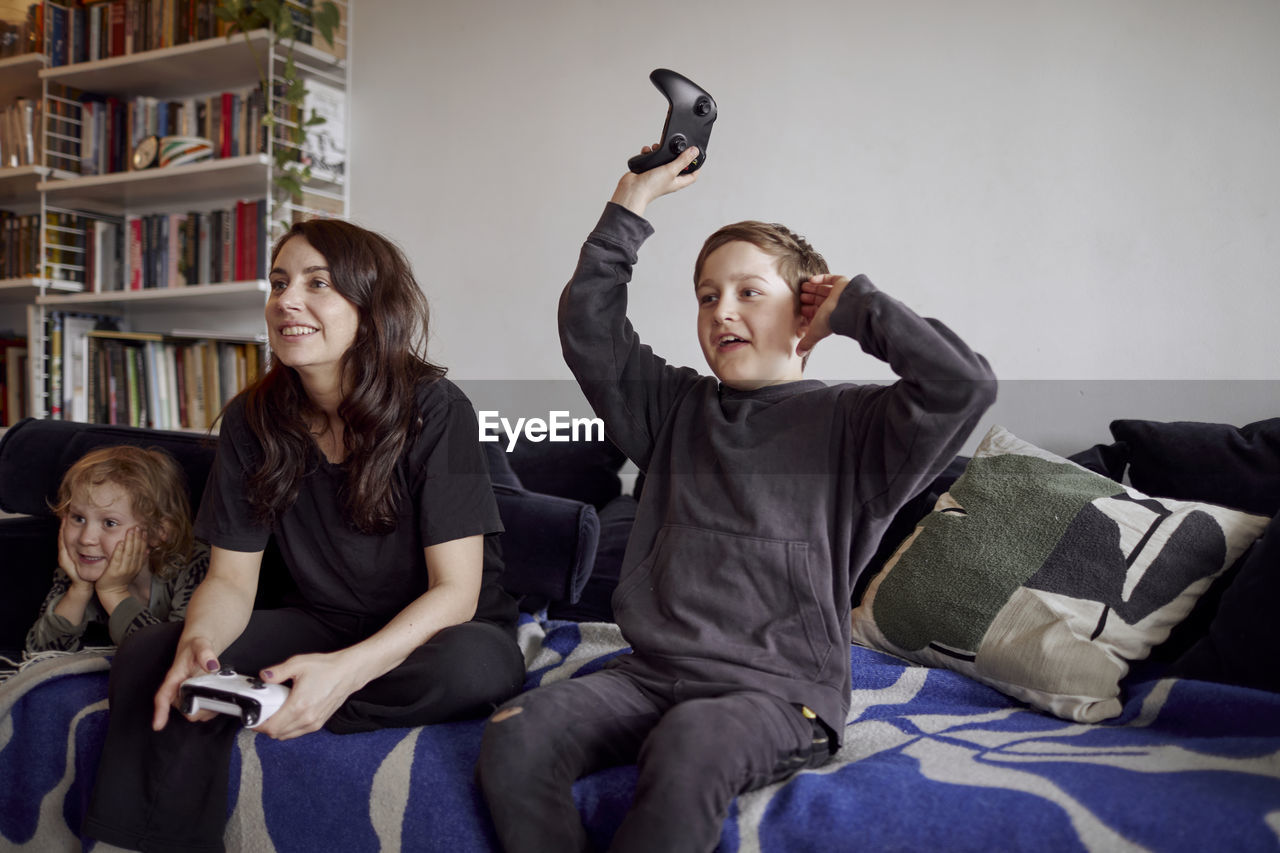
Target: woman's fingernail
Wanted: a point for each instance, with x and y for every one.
(211, 665)
(266, 673)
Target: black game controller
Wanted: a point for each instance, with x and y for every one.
(690, 115)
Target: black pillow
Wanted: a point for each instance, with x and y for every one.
(1105, 459)
(1215, 463)
(499, 467)
(584, 471)
(1243, 641)
(596, 602)
(549, 544)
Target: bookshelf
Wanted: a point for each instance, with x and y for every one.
(21, 170)
(131, 256)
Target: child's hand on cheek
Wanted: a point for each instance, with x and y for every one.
(818, 298)
(126, 561)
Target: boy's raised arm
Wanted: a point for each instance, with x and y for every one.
(628, 386)
(914, 427)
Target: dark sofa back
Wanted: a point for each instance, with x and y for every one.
(549, 546)
(34, 455)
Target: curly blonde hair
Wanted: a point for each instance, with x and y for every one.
(157, 493)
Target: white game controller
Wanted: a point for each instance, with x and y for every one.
(227, 692)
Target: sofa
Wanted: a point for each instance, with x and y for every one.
(941, 751)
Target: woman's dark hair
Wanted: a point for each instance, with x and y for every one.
(382, 370)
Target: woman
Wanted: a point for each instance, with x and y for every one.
(363, 462)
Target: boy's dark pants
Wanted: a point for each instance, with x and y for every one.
(694, 755)
(167, 790)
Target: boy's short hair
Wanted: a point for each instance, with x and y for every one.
(797, 260)
(157, 494)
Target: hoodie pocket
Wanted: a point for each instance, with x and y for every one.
(743, 600)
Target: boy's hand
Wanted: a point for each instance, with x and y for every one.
(818, 298)
(635, 192)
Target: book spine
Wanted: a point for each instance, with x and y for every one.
(204, 274)
(180, 378)
(226, 116)
(175, 270)
(58, 25)
(95, 33)
(228, 244)
(135, 379)
(171, 376)
(94, 382)
(117, 27)
(134, 256)
(260, 239)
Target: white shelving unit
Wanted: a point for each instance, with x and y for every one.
(195, 70)
(19, 78)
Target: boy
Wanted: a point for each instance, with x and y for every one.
(764, 497)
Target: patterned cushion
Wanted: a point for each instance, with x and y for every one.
(1043, 579)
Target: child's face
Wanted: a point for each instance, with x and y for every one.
(95, 523)
(309, 323)
(748, 319)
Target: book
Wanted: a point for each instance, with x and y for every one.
(126, 380)
(172, 374)
(59, 24)
(204, 270)
(325, 147)
(54, 362)
(13, 365)
(76, 329)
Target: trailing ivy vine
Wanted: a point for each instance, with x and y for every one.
(277, 17)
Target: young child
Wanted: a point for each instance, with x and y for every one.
(126, 557)
(764, 496)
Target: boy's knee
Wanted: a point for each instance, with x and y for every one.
(503, 741)
(507, 754)
(505, 714)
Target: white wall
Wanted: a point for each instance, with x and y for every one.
(1085, 190)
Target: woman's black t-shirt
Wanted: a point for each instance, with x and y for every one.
(338, 569)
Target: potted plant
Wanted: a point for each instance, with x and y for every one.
(284, 22)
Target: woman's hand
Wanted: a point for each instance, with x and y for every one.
(218, 612)
(321, 683)
(635, 192)
(195, 656)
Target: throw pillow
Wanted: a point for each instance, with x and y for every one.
(1043, 579)
(1243, 643)
(1219, 463)
(596, 602)
(584, 471)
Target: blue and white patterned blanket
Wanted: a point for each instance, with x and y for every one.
(932, 760)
